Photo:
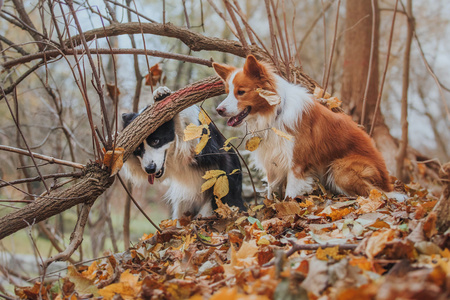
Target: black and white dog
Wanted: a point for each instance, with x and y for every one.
(165, 156)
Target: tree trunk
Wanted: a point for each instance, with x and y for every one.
(357, 47)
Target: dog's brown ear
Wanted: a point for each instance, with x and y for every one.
(253, 68)
(223, 70)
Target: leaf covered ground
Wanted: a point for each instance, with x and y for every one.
(313, 247)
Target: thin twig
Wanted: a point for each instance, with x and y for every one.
(333, 45)
(137, 204)
(75, 239)
(37, 178)
(237, 26)
(312, 247)
(98, 86)
(272, 35)
(25, 142)
(43, 157)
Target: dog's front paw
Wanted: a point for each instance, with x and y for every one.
(161, 93)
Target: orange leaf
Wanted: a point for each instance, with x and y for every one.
(114, 160)
(377, 242)
(128, 287)
(113, 90)
(153, 76)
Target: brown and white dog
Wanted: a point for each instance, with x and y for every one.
(326, 145)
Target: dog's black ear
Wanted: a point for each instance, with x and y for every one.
(127, 118)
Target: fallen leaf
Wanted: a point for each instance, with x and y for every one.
(35, 292)
(128, 287)
(288, 208)
(429, 227)
(377, 242)
(329, 252)
(83, 285)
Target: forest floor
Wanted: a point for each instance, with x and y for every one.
(312, 247)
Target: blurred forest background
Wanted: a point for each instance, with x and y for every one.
(46, 97)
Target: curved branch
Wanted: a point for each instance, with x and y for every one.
(43, 157)
(54, 53)
(97, 179)
(195, 41)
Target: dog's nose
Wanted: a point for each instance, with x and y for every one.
(151, 168)
(220, 110)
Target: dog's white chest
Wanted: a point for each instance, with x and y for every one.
(274, 156)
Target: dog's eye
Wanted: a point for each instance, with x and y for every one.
(240, 93)
(154, 142)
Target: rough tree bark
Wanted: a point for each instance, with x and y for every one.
(97, 179)
(355, 69)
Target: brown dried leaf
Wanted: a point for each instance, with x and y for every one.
(153, 76)
(113, 90)
(288, 208)
(377, 242)
(113, 159)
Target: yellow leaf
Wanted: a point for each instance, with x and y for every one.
(203, 117)
(271, 97)
(331, 252)
(202, 143)
(282, 134)
(333, 102)
(253, 143)
(83, 285)
(208, 184)
(213, 173)
(114, 160)
(235, 171)
(192, 132)
(221, 187)
(225, 145)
